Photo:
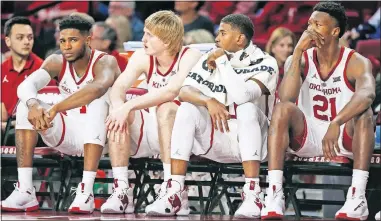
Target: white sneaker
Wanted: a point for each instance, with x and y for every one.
(83, 202)
(378, 216)
(274, 206)
(162, 192)
(355, 207)
(252, 201)
(121, 200)
(172, 201)
(20, 200)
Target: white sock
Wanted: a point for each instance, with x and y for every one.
(276, 178)
(88, 179)
(25, 177)
(120, 173)
(360, 179)
(167, 171)
(248, 180)
(180, 179)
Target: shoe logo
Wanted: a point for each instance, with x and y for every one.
(174, 200)
(258, 203)
(360, 205)
(252, 185)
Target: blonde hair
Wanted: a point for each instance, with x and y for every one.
(199, 36)
(123, 30)
(278, 34)
(167, 26)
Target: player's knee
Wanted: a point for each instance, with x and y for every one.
(248, 113)
(186, 111)
(365, 119)
(166, 111)
(283, 111)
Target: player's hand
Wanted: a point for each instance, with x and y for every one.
(330, 141)
(219, 114)
(212, 57)
(308, 38)
(37, 117)
(116, 124)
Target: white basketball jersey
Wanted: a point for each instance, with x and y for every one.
(69, 82)
(156, 79)
(322, 98)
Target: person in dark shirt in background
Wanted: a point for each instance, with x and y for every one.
(192, 20)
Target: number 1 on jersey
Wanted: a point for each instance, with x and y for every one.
(82, 110)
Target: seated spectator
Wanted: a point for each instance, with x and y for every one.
(368, 30)
(246, 7)
(127, 9)
(104, 38)
(19, 38)
(192, 20)
(59, 10)
(281, 45)
(198, 36)
(123, 30)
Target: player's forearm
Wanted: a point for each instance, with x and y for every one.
(81, 98)
(239, 90)
(151, 99)
(117, 96)
(194, 96)
(290, 86)
(360, 102)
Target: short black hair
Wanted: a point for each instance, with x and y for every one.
(15, 20)
(335, 10)
(108, 34)
(241, 22)
(75, 22)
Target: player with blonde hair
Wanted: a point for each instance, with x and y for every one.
(142, 127)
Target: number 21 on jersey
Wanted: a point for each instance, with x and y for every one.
(325, 104)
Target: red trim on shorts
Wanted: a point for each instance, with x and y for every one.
(63, 131)
(306, 65)
(63, 69)
(141, 134)
(345, 72)
(71, 68)
(347, 141)
(333, 69)
(301, 139)
(211, 137)
(177, 102)
(99, 57)
(150, 68)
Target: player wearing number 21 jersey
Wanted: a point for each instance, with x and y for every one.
(324, 110)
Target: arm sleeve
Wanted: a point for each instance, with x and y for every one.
(29, 88)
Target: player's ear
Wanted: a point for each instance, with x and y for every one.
(336, 32)
(88, 40)
(241, 39)
(8, 41)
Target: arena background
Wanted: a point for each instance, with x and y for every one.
(361, 35)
